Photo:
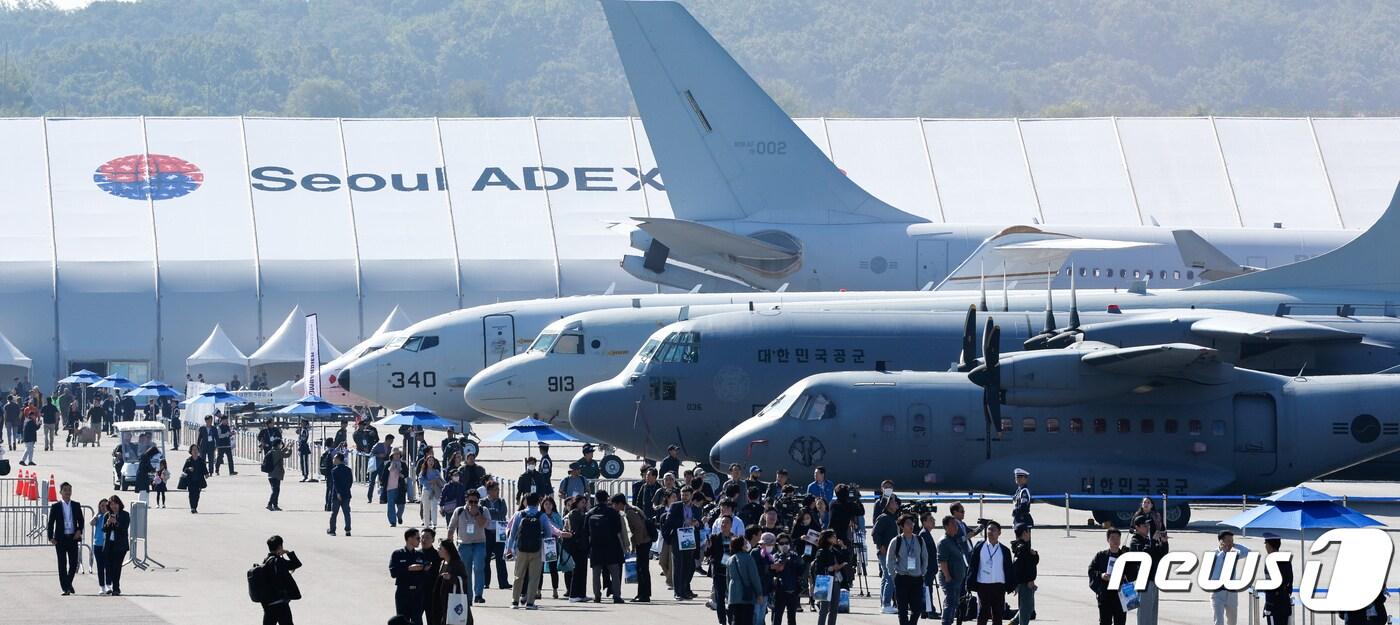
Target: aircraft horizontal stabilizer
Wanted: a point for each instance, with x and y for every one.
(1024, 257)
(688, 239)
(1198, 253)
(1370, 262)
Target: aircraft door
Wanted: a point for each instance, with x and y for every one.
(498, 338)
(933, 262)
(1256, 434)
(918, 420)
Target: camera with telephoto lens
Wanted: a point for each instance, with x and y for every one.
(918, 507)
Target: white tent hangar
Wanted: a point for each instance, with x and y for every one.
(282, 356)
(217, 359)
(13, 363)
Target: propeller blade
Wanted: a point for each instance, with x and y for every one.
(990, 347)
(968, 359)
(991, 391)
(1073, 301)
(1049, 304)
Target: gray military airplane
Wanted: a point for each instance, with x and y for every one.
(1091, 419)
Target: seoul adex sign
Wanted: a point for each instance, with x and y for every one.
(276, 178)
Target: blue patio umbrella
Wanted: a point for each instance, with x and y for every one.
(1299, 512)
(81, 376)
(529, 430)
(213, 396)
(414, 415)
(115, 382)
(154, 389)
(314, 406)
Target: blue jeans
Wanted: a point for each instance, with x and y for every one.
(395, 507)
(886, 586)
(474, 558)
(952, 594)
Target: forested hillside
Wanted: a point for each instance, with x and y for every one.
(389, 58)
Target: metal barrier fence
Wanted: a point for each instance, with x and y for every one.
(22, 519)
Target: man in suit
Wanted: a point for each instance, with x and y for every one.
(225, 439)
(339, 481)
(208, 437)
(682, 514)
(65, 531)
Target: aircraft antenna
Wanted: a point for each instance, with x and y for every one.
(1005, 301)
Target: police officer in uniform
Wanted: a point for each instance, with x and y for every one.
(409, 568)
(587, 466)
(1021, 501)
(546, 463)
(1278, 604)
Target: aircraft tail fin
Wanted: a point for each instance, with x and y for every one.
(726, 149)
(1370, 262)
(1198, 253)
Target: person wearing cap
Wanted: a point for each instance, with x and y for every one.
(1225, 604)
(672, 462)
(588, 467)
(756, 481)
(573, 484)
(1155, 546)
(546, 463)
(533, 481)
(1026, 561)
(1278, 604)
(1021, 501)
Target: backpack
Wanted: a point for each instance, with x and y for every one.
(259, 584)
(531, 532)
(266, 465)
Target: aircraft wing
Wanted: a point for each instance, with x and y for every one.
(1023, 257)
(1170, 360)
(1247, 328)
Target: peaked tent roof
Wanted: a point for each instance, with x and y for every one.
(288, 343)
(394, 322)
(217, 349)
(10, 355)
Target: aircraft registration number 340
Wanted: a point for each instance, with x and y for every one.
(416, 379)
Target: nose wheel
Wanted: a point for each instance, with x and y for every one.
(611, 467)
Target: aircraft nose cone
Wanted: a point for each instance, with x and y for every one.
(496, 395)
(342, 379)
(604, 411)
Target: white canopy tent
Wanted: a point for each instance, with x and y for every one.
(217, 359)
(280, 358)
(13, 363)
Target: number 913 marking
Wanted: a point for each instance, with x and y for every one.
(560, 383)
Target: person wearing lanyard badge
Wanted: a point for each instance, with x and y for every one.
(991, 571)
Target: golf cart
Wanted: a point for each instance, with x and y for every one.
(133, 439)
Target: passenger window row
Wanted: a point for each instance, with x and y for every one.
(1076, 425)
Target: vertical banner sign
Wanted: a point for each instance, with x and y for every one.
(311, 371)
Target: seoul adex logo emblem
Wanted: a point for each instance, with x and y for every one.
(148, 177)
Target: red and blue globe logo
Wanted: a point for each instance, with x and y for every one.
(148, 177)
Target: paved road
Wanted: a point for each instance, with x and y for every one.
(345, 579)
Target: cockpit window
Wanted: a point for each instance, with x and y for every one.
(543, 342)
(812, 408)
(419, 343)
(681, 347)
(568, 344)
(644, 355)
(768, 410)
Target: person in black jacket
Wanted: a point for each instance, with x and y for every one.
(532, 481)
(1024, 567)
(194, 475)
(845, 512)
(990, 574)
(339, 481)
(65, 532)
(1110, 608)
(671, 463)
(411, 571)
(1278, 604)
(281, 588)
(576, 522)
(304, 450)
(788, 578)
(116, 542)
(1156, 546)
(884, 531)
(605, 549)
(224, 435)
(208, 442)
(682, 514)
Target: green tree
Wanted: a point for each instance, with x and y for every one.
(322, 97)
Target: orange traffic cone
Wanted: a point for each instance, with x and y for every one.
(53, 491)
(19, 483)
(31, 487)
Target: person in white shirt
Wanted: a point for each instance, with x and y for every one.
(991, 575)
(64, 529)
(1225, 603)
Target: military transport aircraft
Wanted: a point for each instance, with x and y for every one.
(759, 205)
(1091, 418)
